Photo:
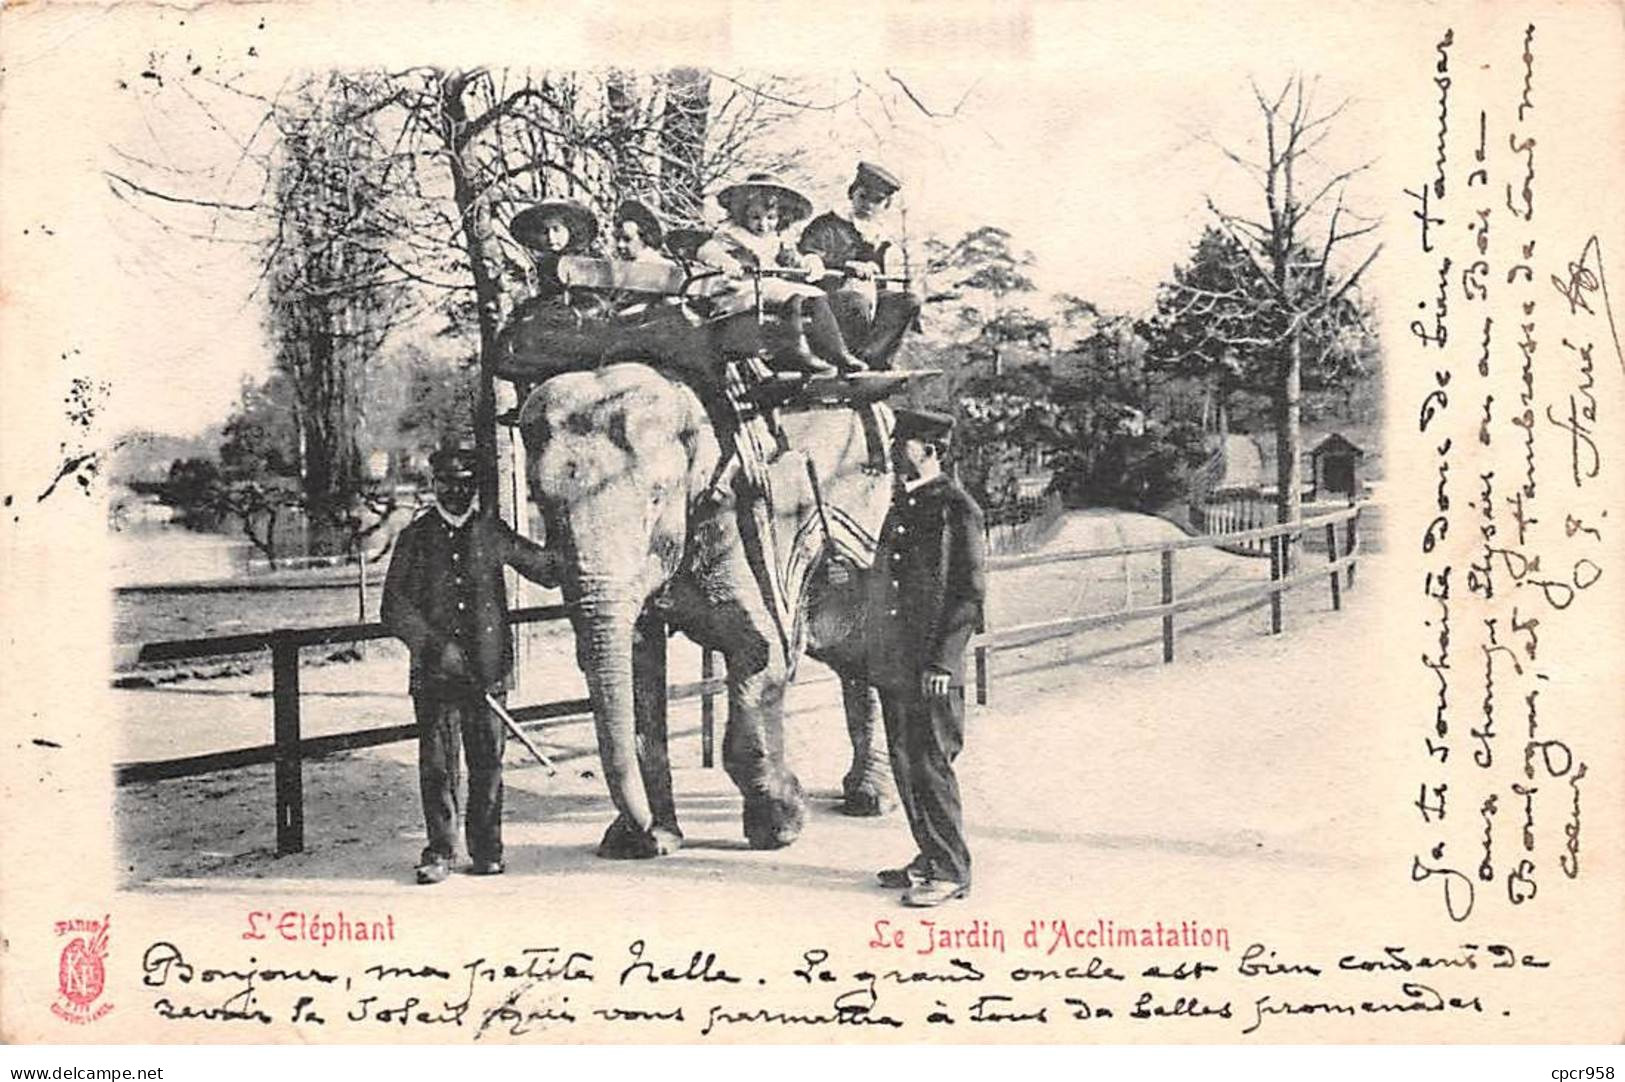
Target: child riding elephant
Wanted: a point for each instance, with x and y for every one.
(551, 230)
(751, 245)
(873, 320)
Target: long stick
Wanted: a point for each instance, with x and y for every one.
(513, 727)
(818, 502)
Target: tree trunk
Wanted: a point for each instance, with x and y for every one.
(476, 218)
(630, 180)
(682, 143)
(1288, 469)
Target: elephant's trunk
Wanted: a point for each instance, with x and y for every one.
(605, 633)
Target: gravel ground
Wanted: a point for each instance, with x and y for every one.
(1102, 690)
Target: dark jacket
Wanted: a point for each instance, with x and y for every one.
(445, 584)
(928, 587)
(838, 242)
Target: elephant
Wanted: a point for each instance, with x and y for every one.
(619, 462)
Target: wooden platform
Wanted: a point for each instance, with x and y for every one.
(797, 390)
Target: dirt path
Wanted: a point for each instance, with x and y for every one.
(1105, 697)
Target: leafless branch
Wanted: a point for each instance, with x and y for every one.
(909, 93)
(212, 204)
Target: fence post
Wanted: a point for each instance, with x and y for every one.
(981, 665)
(1350, 543)
(290, 781)
(361, 590)
(1275, 576)
(1168, 599)
(708, 708)
(1331, 554)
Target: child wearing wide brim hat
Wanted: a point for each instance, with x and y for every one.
(529, 226)
(793, 206)
(747, 243)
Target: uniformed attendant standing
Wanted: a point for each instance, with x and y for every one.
(925, 601)
(445, 597)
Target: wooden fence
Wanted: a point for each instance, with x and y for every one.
(1235, 511)
(289, 748)
(1023, 525)
(1280, 542)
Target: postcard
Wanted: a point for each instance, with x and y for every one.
(709, 524)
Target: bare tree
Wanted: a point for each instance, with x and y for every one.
(332, 293)
(1290, 285)
(432, 163)
(682, 142)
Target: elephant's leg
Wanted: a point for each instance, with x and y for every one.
(649, 707)
(649, 681)
(836, 638)
(753, 749)
(867, 788)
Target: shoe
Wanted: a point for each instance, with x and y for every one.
(934, 892)
(487, 867)
(433, 870)
(877, 360)
(823, 336)
(909, 875)
(799, 360)
(796, 355)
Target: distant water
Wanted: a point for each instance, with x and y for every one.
(154, 552)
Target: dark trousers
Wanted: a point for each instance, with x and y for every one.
(925, 737)
(445, 718)
(875, 329)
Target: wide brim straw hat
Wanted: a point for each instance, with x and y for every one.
(526, 226)
(793, 205)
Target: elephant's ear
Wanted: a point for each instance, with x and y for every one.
(699, 444)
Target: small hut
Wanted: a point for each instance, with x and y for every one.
(1335, 464)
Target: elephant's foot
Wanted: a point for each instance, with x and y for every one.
(624, 840)
(774, 822)
(866, 798)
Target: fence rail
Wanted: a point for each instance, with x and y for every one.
(289, 748)
(1279, 540)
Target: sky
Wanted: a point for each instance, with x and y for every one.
(1096, 155)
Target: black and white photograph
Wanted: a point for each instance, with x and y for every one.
(1063, 524)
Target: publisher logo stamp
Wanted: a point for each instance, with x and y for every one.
(81, 971)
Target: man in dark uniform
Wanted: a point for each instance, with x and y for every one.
(925, 601)
(872, 320)
(446, 599)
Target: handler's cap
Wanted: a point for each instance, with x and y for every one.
(528, 229)
(927, 425)
(877, 179)
(792, 204)
(452, 464)
(648, 223)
